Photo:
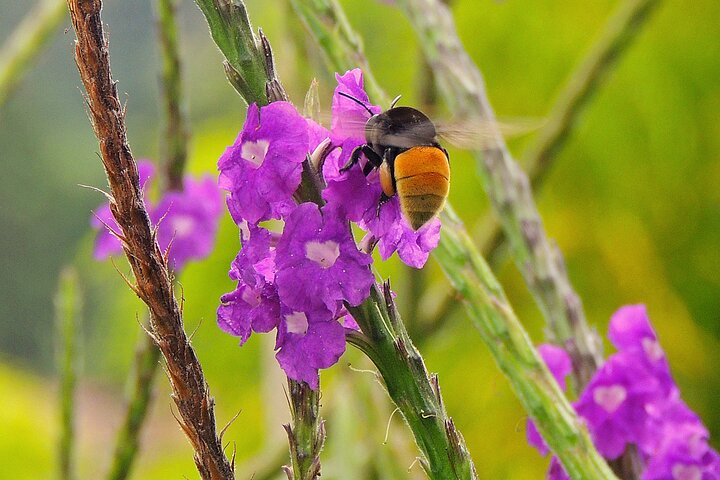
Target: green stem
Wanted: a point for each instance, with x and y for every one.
(327, 23)
(506, 340)
(176, 132)
(541, 263)
(245, 64)
(504, 335)
(618, 34)
(27, 41)
(402, 368)
(68, 306)
(147, 360)
(306, 434)
(614, 41)
(415, 392)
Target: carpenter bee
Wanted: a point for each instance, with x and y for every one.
(402, 145)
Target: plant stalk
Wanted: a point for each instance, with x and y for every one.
(153, 283)
(540, 261)
(306, 433)
(327, 23)
(386, 342)
(245, 64)
(530, 378)
(68, 311)
(504, 335)
(415, 392)
(176, 130)
(147, 355)
(618, 34)
(147, 360)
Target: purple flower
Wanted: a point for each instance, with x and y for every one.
(247, 309)
(261, 170)
(318, 263)
(394, 233)
(678, 444)
(188, 220)
(630, 328)
(354, 192)
(684, 458)
(358, 195)
(560, 365)
(106, 243)
(348, 117)
(308, 341)
(616, 401)
(556, 470)
(630, 331)
(254, 305)
(632, 399)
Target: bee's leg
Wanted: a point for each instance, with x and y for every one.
(383, 200)
(374, 159)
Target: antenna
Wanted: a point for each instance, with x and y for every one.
(343, 94)
(394, 102)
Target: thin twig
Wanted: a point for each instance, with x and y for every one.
(68, 306)
(176, 131)
(154, 284)
(147, 355)
(539, 260)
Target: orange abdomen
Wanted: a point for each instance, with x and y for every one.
(422, 182)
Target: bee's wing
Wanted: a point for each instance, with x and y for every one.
(470, 134)
(478, 134)
(407, 139)
(355, 126)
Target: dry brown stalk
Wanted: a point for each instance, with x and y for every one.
(153, 280)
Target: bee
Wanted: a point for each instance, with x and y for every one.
(402, 145)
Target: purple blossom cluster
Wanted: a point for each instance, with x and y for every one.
(295, 281)
(186, 220)
(633, 400)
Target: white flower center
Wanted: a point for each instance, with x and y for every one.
(297, 322)
(183, 225)
(652, 349)
(323, 253)
(686, 472)
(610, 398)
(254, 152)
(697, 446)
(251, 297)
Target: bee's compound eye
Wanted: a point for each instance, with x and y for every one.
(386, 180)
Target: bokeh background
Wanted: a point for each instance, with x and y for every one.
(633, 201)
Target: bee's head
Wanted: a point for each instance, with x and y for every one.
(373, 129)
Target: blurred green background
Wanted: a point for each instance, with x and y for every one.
(633, 201)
